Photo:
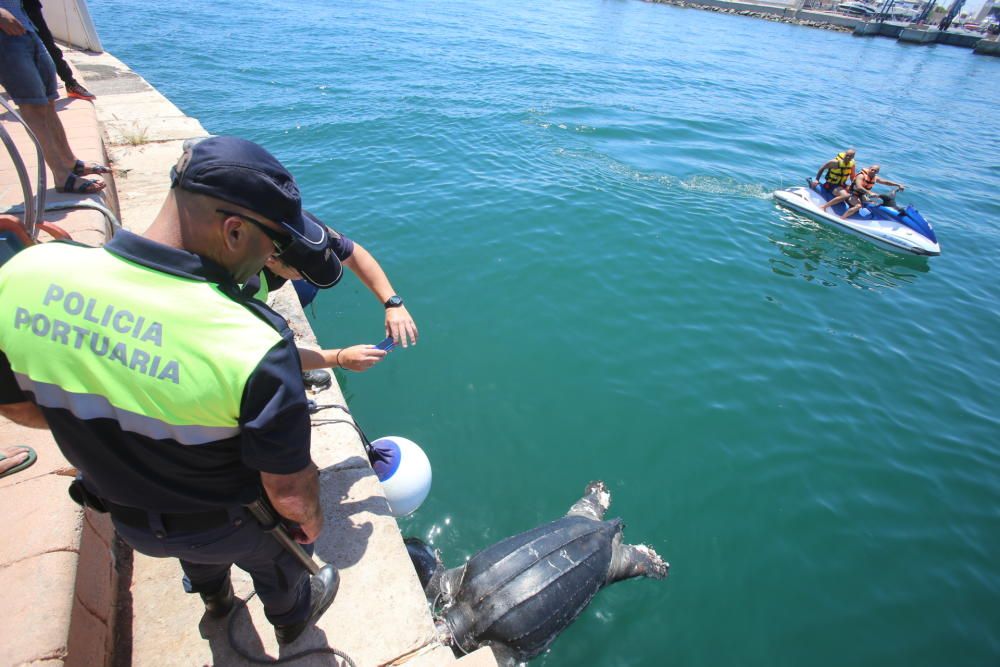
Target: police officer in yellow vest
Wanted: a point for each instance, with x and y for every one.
(178, 400)
(839, 171)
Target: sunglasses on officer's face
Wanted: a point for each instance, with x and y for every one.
(280, 241)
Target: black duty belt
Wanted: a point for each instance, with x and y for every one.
(186, 522)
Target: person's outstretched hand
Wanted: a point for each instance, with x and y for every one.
(360, 357)
(400, 325)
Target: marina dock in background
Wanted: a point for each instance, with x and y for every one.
(828, 20)
(80, 595)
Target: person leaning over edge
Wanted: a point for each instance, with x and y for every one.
(838, 171)
(862, 186)
(398, 322)
(176, 399)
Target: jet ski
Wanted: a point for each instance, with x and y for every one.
(901, 229)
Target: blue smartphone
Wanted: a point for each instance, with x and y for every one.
(387, 344)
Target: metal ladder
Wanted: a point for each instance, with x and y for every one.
(34, 203)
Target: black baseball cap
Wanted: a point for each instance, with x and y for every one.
(322, 268)
(244, 173)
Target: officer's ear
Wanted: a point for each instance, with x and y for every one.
(234, 232)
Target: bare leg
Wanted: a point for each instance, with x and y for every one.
(843, 195)
(851, 211)
(44, 122)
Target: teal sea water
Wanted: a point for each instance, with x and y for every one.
(574, 199)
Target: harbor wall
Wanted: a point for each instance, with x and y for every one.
(772, 12)
(879, 28)
(987, 47)
(834, 21)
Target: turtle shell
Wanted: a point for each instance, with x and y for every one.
(523, 591)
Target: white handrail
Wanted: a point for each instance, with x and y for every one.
(32, 214)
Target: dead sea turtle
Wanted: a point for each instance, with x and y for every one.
(520, 593)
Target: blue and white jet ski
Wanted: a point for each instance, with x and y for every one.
(888, 226)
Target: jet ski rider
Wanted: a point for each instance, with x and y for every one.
(862, 186)
(838, 171)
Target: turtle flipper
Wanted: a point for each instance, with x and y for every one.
(427, 563)
(595, 502)
(635, 560)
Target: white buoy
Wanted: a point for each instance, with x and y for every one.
(405, 473)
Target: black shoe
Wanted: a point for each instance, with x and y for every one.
(219, 603)
(323, 588)
(317, 380)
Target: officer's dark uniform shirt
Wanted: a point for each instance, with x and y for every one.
(161, 474)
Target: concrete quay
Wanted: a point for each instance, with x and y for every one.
(833, 21)
(987, 47)
(78, 594)
(771, 12)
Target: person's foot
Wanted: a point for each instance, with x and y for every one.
(74, 89)
(81, 168)
(15, 459)
(323, 588)
(219, 603)
(81, 186)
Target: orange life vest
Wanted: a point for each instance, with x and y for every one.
(865, 180)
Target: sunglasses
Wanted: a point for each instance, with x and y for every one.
(280, 241)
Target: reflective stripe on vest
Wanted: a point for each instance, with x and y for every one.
(165, 356)
(839, 174)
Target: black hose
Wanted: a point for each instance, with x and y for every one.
(316, 407)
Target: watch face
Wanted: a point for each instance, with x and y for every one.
(393, 301)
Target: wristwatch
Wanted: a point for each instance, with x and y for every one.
(394, 301)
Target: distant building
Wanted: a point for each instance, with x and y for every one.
(989, 9)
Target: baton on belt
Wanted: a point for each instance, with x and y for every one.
(269, 521)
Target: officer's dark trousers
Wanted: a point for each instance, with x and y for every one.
(280, 580)
(33, 9)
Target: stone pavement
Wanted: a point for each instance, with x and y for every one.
(53, 616)
(60, 569)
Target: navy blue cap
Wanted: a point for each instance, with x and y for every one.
(324, 267)
(320, 267)
(243, 173)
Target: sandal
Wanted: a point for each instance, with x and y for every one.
(32, 457)
(82, 168)
(81, 186)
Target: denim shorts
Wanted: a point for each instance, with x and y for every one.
(26, 69)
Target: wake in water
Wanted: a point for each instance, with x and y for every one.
(702, 184)
(725, 186)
